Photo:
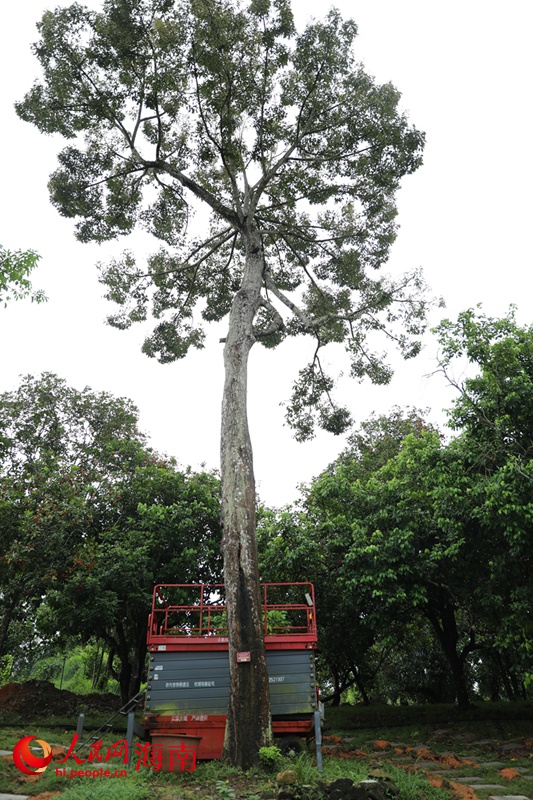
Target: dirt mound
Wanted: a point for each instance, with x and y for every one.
(36, 699)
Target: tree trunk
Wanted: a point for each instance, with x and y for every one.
(248, 723)
(138, 674)
(125, 670)
(503, 675)
(124, 678)
(360, 685)
(97, 669)
(442, 618)
(340, 684)
(336, 696)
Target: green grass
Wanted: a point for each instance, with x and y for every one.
(414, 785)
(110, 789)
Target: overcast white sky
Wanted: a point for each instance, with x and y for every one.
(464, 68)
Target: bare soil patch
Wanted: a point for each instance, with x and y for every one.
(37, 699)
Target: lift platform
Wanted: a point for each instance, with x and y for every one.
(188, 684)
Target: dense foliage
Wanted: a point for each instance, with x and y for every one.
(15, 268)
(421, 548)
(90, 520)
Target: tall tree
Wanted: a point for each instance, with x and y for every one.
(297, 154)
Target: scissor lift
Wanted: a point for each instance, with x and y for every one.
(188, 684)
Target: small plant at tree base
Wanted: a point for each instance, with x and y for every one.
(225, 791)
(305, 769)
(270, 757)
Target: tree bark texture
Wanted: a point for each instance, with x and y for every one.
(249, 722)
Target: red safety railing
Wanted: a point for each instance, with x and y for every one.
(196, 613)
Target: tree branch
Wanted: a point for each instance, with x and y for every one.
(263, 182)
(276, 326)
(196, 189)
(302, 316)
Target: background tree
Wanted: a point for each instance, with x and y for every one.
(297, 153)
(413, 668)
(329, 511)
(59, 447)
(90, 519)
(15, 266)
(378, 439)
(290, 550)
(159, 525)
(38, 518)
(45, 423)
(427, 544)
(437, 534)
(494, 407)
(390, 515)
(493, 414)
(408, 551)
(309, 542)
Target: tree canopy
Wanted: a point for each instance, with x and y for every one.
(90, 519)
(416, 533)
(168, 103)
(59, 449)
(46, 422)
(494, 405)
(158, 525)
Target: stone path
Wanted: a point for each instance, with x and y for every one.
(447, 764)
(14, 796)
(508, 797)
(476, 783)
(3, 795)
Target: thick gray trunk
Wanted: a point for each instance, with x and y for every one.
(249, 724)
